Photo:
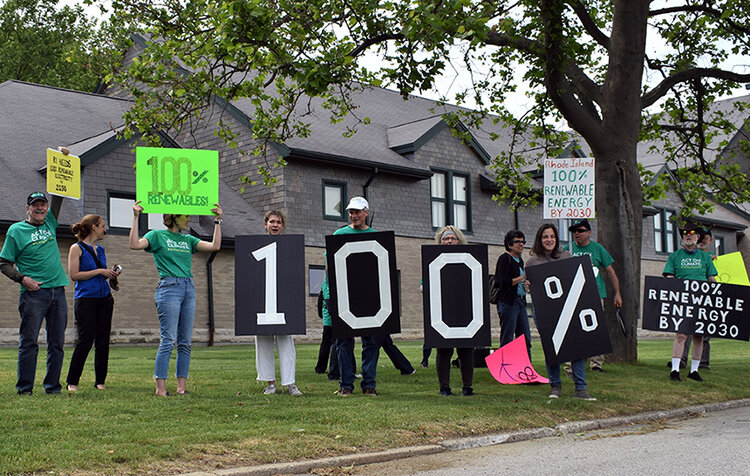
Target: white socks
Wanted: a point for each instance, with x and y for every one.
(675, 364)
(693, 365)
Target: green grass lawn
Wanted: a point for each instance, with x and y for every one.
(227, 422)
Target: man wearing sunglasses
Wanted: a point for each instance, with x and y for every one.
(582, 244)
(689, 262)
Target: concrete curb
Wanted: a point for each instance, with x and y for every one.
(297, 467)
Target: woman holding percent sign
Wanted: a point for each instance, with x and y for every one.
(175, 294)
(546, 248)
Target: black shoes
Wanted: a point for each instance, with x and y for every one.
(695, 376)
(674, 375)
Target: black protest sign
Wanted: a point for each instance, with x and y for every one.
(269, 285)
(454, 291)
(687, 306)
(568, 310)
(363, 283)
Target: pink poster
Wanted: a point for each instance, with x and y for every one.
(510, 364)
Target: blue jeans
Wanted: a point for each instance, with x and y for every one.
(175, 304)
(514, 322)
(579, 374)
(48, 304)
(370, 354)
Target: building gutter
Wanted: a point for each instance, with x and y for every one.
(210, 286)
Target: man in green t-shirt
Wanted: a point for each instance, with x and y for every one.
(689, 262)
(31, 246)
(358, 209)
(601, 260)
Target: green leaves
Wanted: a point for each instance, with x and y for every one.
(57, 46)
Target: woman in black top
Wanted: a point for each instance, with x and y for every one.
(511, 303)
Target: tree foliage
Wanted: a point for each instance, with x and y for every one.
(56, 46)
(574, 55)
(616, 71)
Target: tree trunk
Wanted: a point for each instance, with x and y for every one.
(619, 198)
(619, 224)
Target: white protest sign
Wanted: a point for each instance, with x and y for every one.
(569, 188)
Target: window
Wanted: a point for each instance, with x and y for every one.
(155, 221)
(562, 229)
(316, 274)
(719, 245)
(665, 233)
(120, 214)
(450, 197)
(334, 198)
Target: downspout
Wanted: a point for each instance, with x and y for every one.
(210, 286)
(364, 190)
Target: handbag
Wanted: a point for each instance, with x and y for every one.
(494, 290)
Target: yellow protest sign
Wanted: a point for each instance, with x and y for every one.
(731, 269)
(63, 174)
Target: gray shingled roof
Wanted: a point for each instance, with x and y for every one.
(653, 160)
(394, 123)
(35, 118)
(404, 121)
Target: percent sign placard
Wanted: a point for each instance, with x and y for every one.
(569, 188)
(568, 309)
(179, 181)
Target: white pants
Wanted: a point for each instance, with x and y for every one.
(264, 361)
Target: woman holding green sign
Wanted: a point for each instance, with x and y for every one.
(175, 295)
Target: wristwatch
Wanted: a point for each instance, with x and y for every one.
(218, 221)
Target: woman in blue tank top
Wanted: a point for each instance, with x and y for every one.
(87, 266)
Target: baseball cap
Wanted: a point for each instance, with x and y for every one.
(33, 197)
(693, 229)
(358, 203)
(581, 224)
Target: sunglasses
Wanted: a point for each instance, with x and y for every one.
(580, 230)
(689, 232)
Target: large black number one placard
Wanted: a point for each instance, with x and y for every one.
(269, 284)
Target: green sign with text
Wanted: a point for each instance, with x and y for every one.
(179, 181)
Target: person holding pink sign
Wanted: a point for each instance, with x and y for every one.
(175, 294)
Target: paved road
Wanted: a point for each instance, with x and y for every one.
(716, 444)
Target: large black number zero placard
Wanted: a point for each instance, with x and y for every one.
(454, 290)
(269, 285)
(363, 284)
(568, 309)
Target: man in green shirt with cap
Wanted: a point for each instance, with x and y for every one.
(582, 244)
(689, 262)
(31, 245)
